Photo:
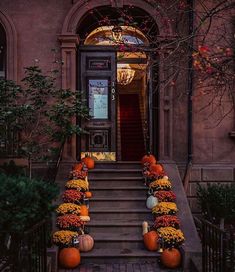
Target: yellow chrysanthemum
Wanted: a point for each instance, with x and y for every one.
(161, 184)
(171, 236)
(63, 237)
(77, 184)
(66, 208)
(164, 208)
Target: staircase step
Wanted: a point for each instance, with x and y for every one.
(115, 173)
(98, 202)
(116, 178)
(123, 255)
(118, 239)
(127, 191)
(126, 214)
(112, 182)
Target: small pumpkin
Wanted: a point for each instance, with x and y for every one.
(84, 210)
(69, 257)
(88, 194)
(157, 168)
(78, 166)
(89, 162)
(86, 242)
(151, 240)
(151, 202)
(149, 159)
(171, 257)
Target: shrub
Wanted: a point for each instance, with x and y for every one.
(217, 201)
(24, 202)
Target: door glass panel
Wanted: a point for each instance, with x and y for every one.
(98, 98)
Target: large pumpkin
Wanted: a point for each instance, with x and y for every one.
(89, 162)
(157, 168)
(84, 210)
(171, 258)
(150, 159)
(78, 166)
(151, 240)
(86, 242)
(69, 257)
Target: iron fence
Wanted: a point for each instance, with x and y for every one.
(218, 247)
(24, 252)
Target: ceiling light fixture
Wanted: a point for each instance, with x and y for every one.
(125, 74)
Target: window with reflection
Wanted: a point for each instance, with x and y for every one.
(98, 98)
(2, 52)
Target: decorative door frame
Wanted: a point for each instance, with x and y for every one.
(69, 40)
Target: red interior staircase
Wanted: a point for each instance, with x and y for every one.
(132, 139)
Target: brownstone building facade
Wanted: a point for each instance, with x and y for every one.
(30, 29)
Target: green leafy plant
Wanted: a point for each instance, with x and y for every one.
(11, 169)
(43, 114)
(24, 202)
(217, 202)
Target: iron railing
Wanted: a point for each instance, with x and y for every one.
(24, 252)
(218, 247)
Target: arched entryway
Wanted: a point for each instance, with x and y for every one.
(114, 76)
(79, 32)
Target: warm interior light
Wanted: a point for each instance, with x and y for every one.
(125, 74)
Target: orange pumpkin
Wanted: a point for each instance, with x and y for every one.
(84, 210)
(88, 194)
(78, 166)
(157, 168)
(150, 159)
(89, 162)
(69, 257)
(151, 240)
(171, 258)
(86, 242)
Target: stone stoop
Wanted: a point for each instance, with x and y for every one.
(117, 210)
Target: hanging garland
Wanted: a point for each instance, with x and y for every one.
(166, 224)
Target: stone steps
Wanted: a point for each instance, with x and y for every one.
(117, 210)
(118, 191)
(120, 202)
(127, 214)
(122, 255)
(97, 226)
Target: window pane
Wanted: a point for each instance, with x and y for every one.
(98, 98)
(2, 52)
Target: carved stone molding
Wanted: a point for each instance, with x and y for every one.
(81, 7)
(69, 73)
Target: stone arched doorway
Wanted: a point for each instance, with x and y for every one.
(70, 40)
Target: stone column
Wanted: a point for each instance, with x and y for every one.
(165, 112)
(69, 45)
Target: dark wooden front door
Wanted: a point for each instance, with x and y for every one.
(98, 81)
